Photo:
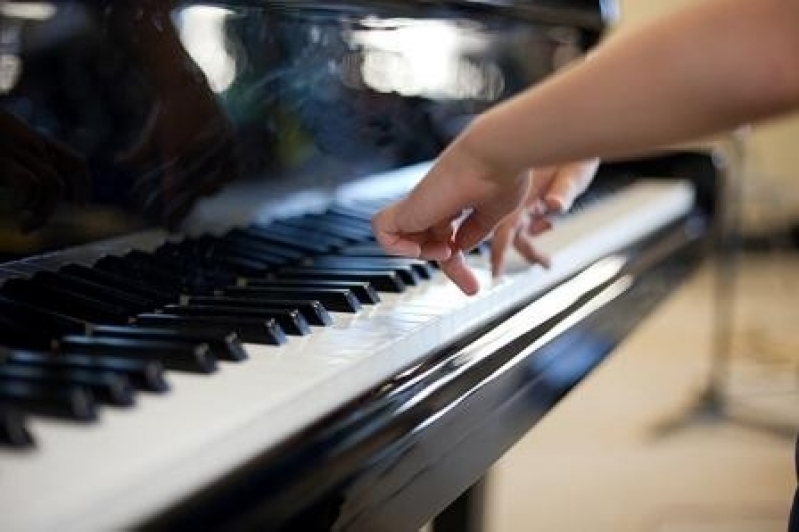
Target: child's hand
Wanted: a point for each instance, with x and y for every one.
(451, 210)
(552, 192)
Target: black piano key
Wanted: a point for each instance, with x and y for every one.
(301, 233)
(73, 402)
(406, 272)
(335, 299)
(372, 249)
(225, 345)
(14, 334)
(154, 296)
(220, 248)
(318, 223)
(68, 302)
(189, 278)
(13, 431)
(255, 331)
(314, 312)
(195, 266)
(423, 269)
(383, 281)
(52, 323)
(141, 274)
(363, 290)
(176, 355)
(130, 302)
(106, 387)
(352, 212)
(290, 320)
(242, 238)
(147, 375)
(305, 245)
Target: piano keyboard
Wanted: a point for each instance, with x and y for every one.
(281, 324)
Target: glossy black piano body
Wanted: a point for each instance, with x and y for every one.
(290, 100)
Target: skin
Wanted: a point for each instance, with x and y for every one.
(703, 70)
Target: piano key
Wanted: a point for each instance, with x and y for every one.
(383, 281)
(53, 323)
(213, 262)
(372, 249)
(319, 223)
(423, 269)
(68, 302)
(213, 247)
(407, 272)
(224, 345)
(147, 375)
(313, 311)
(166, 283)
(255, 331)
(176, 355)
(170, 271)
(225, 421)
(130, 302)
(302, 234)
(363, 290)
(14, 334)
(74, 403)
(307, 246)
(290, 320)
(106, 387)
(154, 296)
(255, 241)
(334, 299)
(13, 432)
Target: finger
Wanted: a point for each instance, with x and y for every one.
(568, 183)
(500, 242)
(389, 235)
(524, 245)
(538, 226)
(477, 225)
(540, 179)
(459, 272)
(438, 244)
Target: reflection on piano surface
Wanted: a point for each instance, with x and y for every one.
(269, 366)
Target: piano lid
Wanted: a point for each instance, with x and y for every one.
(140, 108)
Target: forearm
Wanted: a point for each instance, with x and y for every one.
(721, 64)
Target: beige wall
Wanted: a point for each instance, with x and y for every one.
(773, 163)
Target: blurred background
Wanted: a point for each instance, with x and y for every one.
(646, 443)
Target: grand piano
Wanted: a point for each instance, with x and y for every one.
(197, 328)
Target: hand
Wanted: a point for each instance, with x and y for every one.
(39, 170)
(552, 192)
(456, 205)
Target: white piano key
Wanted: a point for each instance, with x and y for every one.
(137, 461)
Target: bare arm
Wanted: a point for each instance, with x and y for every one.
(710, 68)
(706, 69)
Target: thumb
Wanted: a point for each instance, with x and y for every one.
(568, 183)
(390, 235)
